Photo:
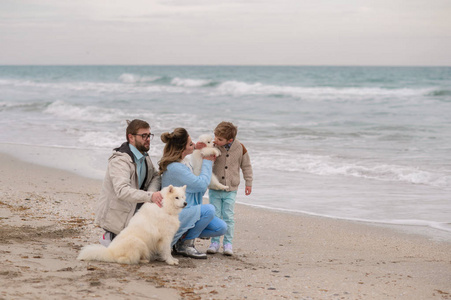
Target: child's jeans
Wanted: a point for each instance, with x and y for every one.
(224, 203)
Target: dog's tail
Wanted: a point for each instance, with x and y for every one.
(96, 252)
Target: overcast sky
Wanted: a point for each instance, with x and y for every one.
(208, 32)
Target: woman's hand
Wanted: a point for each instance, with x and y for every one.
(200, 145)
(211, 157)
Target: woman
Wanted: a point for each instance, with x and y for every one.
(196, 219)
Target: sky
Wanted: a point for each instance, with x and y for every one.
(206, 32)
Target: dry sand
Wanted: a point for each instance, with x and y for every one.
(46, 216)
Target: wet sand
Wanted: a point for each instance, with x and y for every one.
(46, 216)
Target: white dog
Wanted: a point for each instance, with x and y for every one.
(196, 160)
(149, 232)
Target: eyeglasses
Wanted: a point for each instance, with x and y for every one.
(146, 136)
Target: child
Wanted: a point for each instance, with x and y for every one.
(227, 168)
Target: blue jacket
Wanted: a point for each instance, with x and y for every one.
(179, 174)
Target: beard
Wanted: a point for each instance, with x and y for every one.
(144, 147)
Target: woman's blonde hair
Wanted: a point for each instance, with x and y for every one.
(175, 145)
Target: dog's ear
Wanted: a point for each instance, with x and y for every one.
(170, 188)
(184, 188)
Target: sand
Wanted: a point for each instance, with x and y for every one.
(46, 216)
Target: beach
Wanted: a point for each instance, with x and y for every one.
(47, 215)
(348, 136)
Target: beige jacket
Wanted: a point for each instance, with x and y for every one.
(227, 166)
(120, 191)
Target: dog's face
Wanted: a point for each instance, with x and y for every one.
(206, 139)
(174, 198)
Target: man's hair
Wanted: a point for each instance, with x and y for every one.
(134, 126)
(226, 130)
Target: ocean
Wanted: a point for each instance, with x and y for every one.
(369, 144)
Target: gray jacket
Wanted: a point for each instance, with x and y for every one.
(120, 191)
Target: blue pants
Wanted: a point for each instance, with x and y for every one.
(224, 203)
(208, 225)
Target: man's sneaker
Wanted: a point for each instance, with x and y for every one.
(105, 239)
(228, 249)
(214, 248)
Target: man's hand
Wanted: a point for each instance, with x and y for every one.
(157, 198)
(248, 190)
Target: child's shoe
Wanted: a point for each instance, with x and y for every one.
(228, 249)
(105, 239)
(214, 248)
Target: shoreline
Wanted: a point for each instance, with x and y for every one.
(45, 156)
(46, 216)
(436, 234)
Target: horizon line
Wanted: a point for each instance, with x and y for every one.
(212, 65)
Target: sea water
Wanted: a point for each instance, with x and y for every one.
(371, 144)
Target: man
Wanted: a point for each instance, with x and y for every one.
(130, 181)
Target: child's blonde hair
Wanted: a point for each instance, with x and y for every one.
(226, 130)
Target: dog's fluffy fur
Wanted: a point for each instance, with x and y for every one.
(148, 234)
(196, 160)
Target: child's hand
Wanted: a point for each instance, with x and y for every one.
(200, 145)
(248, 190)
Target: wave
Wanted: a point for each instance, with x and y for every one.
(238, 88)
(95, 114)
(27, 106)
(98, 139)
(241, 88)
(192, 82)
(51, 87)
(165, 80)
(5, 104)
(132, 78)
(133, 83)
(440, 93)
(329, 166)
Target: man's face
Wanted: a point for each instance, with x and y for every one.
(142, 144)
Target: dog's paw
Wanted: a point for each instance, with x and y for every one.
(172, 261)
(225, 188)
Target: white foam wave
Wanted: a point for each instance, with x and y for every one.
(4, 104)
(326, 165)
(65, 86)
(237, 88)
(86, 113)
(186, 82)
(133, 78)
(102, 139)
(96, 87)
(29, 106)
(233, 88)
